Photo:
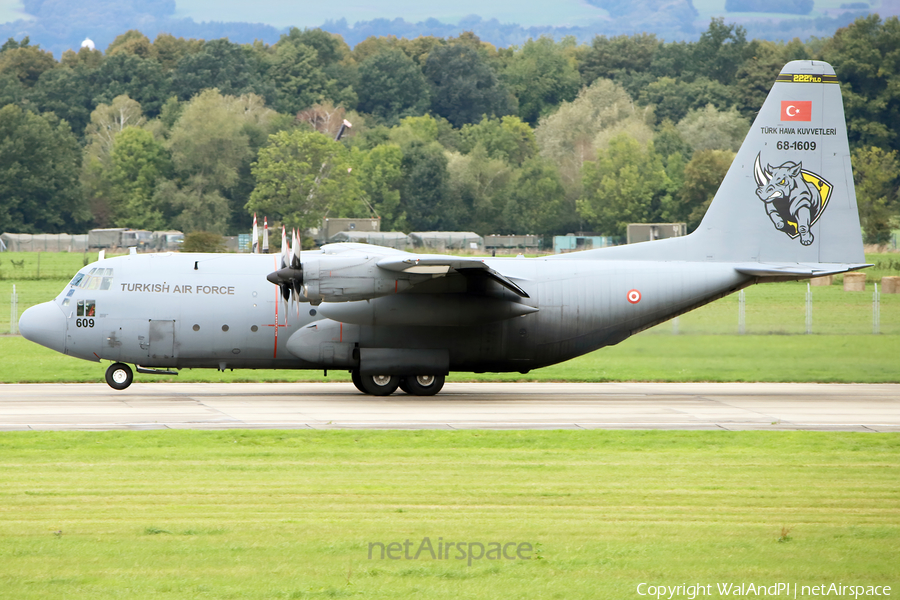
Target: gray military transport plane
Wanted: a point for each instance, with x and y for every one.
(785, 211)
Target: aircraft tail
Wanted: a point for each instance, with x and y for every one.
(789, 196)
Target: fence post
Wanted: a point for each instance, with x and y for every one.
(39, 265)
(14, 312)
(741, 320)
(876, 312)
(808, 309)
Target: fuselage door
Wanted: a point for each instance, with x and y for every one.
(162, 342)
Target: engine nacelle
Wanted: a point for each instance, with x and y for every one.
(337, 278)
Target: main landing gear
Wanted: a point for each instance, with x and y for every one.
(385, 385)
(119, 376)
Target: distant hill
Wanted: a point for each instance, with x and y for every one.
(58, 26)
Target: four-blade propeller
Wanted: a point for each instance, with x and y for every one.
(290, 276)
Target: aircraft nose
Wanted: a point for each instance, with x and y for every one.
(45, 324)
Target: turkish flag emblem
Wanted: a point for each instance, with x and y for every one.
(796, 110)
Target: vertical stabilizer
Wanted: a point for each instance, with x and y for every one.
(788, 196)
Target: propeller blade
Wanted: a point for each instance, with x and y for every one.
(285, 249)
(295, 258)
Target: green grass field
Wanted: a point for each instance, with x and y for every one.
(645, 357)
(273, 514)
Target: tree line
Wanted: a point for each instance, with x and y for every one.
(447, 133)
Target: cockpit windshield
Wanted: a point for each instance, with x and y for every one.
(97, 278)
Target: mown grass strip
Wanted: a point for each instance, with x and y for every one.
(273, 514)
(645, 357)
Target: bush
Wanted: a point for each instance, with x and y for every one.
(203, 241)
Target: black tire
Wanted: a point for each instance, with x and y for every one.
(424, 385)
(404, 386)
(357, 381)
(380, 385)
(119, 376)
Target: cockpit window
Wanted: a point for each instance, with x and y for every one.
(87, 308)
(95, 279)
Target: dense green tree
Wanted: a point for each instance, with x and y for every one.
(542, 75)
(702, 177)
(196, 205)
(299, 81)
(754, 78)
(719, 52)
(479, 189)
(131, 42)
(876, 173)
(536, 203)
(507, 138)
(26, 63)
(673, 98)
(219, 64)
(625, 59)
(867, 62)
(380, 176)
(11, 89)
(464, 87)
(84, 57)
(333, 58)
(106, 122)
(69, 93)
(624, 185)
(140, 78)
(424, 187)
(424, 129)
(39, 166)
(168, 49)
(391, 86)
(209, 141)
(567, 137)
(213, 142)
(137, 164)
(303, 176)
(712, 129)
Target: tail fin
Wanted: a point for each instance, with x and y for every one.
(789, 196)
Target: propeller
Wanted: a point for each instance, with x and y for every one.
(289, 277)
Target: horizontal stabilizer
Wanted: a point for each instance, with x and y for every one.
(799, 271)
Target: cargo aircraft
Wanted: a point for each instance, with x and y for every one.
(786, 210)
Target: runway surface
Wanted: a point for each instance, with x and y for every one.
(730, 406)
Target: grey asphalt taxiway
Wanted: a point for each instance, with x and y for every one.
(729, 406)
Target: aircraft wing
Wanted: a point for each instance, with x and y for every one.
(436, 264)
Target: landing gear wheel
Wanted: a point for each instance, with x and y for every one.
(119, 376)
(404, 386)
(380, 385)
(357, 381)
(424, 385)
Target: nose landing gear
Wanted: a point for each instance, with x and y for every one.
(119, 376)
